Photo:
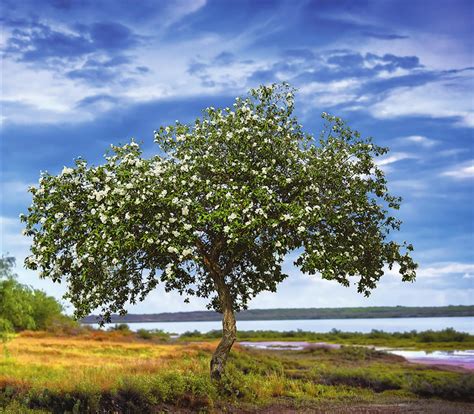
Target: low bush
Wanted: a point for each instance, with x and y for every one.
(121, 327)
(156, 334)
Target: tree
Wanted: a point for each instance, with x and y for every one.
(15, 304)
(22, 307)
(46, 310)
(214, 213)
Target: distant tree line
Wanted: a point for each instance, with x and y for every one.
(292, 314)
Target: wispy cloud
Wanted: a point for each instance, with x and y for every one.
(419, 140)
(438, 269)
(439, 99)
(446, 269)
(462, 171)
(395, 157)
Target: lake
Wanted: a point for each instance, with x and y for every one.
(462, 324)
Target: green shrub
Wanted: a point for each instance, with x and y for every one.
(153, 334)
(144, 334)
(448, 387)
(446, 335)
(121, 327)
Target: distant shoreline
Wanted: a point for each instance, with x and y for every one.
(296, 314)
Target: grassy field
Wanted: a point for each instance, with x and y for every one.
(124, 373)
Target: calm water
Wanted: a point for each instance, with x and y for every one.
(463, 324)
(464, 359)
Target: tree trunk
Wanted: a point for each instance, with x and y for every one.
(229, 332)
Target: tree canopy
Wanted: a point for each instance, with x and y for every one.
(217, 209)
(22, 307)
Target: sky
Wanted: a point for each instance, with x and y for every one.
(79, 75)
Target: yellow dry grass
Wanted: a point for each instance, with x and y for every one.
(64, 362)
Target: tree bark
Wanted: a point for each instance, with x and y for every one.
(229, 331)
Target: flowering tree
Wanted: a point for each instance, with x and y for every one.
(216, 211)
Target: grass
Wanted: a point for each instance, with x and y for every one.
(447, 339)
(123, 372)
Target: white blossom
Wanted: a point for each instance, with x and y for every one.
(187, 252)
(67, 170)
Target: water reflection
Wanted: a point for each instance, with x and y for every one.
(287, 345)
(464, 359)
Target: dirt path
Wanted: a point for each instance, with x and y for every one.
(420, 407)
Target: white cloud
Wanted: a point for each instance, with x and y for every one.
(394, 157)
(419, 140)
(44, 96)
(327, 94)
(182, 8)
(461, 171)
(445, 269)
(447, 98)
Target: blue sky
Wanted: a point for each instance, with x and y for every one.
(79, 75)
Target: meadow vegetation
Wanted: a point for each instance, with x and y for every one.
(126, 372)
(441, 340)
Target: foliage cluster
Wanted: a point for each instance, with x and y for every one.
(214, 213)
(22, 307)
